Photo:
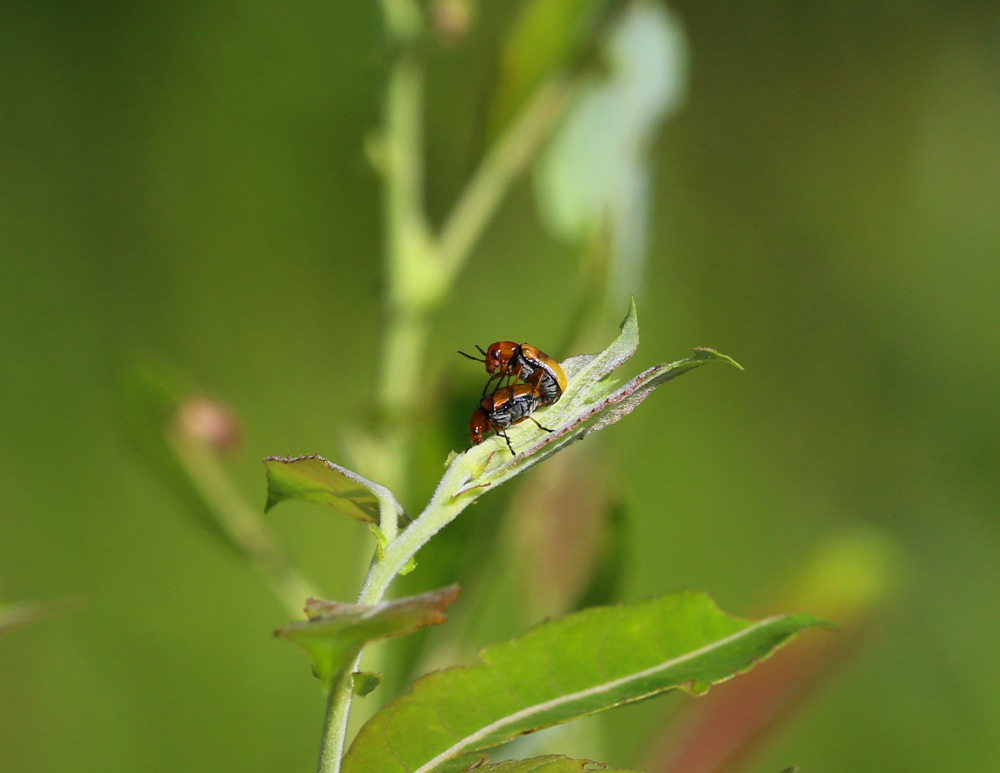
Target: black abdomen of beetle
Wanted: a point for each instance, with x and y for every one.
(511, 405)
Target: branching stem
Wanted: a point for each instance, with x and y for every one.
(422, 269)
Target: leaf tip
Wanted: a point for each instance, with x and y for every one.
(705, 353)
(632, 318)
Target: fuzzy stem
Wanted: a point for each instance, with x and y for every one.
(443, 508)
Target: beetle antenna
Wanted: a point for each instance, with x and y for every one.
(481, 350)
(471, 357)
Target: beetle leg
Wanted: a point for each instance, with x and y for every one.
(511, 379)
(539, 425)
(504, 436)
(535, 380)
(485, 388)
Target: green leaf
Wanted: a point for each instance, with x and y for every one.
(336, 632)
(314, 479)
(604, 586)
(585, 663)
(365, 682)
(549, 763)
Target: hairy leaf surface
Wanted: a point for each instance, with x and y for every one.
(584, 663)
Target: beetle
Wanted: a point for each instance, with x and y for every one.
(502, 410)
(531, 364)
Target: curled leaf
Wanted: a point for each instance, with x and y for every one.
(336, 632)
(365, 682)
(315, 479)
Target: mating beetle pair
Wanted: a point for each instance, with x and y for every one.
(544, 383)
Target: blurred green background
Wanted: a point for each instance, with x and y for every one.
(188, 180)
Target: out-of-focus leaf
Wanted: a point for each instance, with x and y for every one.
(14, 615)
(606, 581)
(365, 682)
(547, 34)
(582, 664)
(314, 479)
(550, 763)
(183, 434)
(336, 632)
(595, 173)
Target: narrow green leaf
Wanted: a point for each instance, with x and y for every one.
(315, 479)
(335, 632)
(549, 763)
(585, 663)
(365, 682)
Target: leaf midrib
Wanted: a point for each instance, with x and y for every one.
(525, 713)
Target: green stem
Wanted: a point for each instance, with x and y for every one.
(403, 20)
(338, 708)
(421, 271)
(506, 160)
(443, 508)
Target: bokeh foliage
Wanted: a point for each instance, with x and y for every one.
(188, 179)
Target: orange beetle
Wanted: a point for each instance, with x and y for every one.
(502, 410)
(532, 365)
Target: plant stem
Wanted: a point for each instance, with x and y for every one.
(443, 508)
(338, 708)
(402, 18)
(506, 160)
(421, 271)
